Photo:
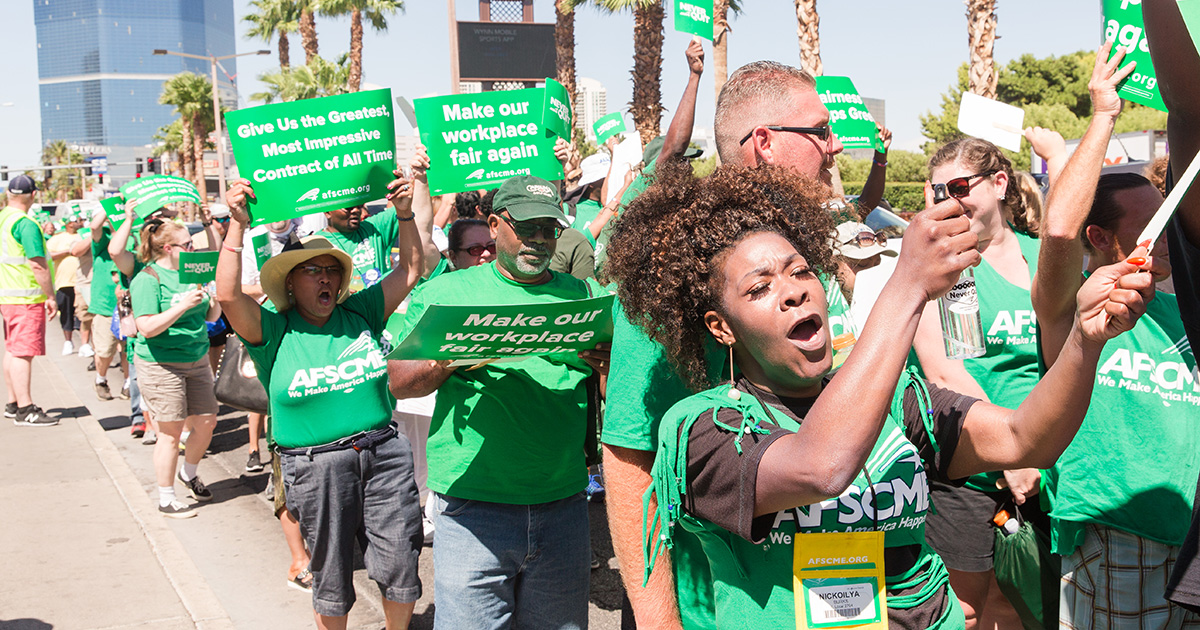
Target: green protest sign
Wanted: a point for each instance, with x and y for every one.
(479, 140)
(155, 191)
(512, 330)
(556, 112)
(608, 126)
(198, 267)
(1123, 24)
(262, 248)
(114, 207)
(695, 17)
(849, 118)
(1190, 10)
(312, 155)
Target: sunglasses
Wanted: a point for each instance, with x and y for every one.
(477, 250)
(222, 220)
(316, 270)
(184, 246)
(867, 239)
(820, 133)
(960, 187)
(529, 229)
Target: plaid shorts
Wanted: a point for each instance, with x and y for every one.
(1117, 580)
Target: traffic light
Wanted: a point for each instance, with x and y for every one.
(87, 170)
(152, 165)
(137, 168)
(3, 173)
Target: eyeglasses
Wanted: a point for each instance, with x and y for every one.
(960, 187)
(187, 246)
(529, 229)
(820, 133)
(867, 239)
(316, 270)
(477, 250)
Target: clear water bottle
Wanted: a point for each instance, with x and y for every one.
(962, 328)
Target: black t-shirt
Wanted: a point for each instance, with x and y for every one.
(726, 499)
(1184, 585)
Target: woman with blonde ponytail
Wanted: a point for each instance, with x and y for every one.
(172, 360)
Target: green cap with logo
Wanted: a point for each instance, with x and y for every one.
(526, 198)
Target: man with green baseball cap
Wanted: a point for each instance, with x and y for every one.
(506, 447)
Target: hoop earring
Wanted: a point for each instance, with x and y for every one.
(733, 391)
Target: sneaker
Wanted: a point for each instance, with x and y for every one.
(198, 490)
(595, 491)
(176, 509)
(92, 366)
(150, 439)
(86, 351)
(253, 463)
(10, 410)
(102, 391)
(124, 395)
(137, 430)
(33, 416)
(68, 348)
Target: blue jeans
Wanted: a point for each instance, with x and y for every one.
(498, 566)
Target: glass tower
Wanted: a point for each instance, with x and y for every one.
(98, 79)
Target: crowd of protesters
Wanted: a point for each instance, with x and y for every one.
(776, 383)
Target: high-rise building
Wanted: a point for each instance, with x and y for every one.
(98, 79)
(591, 104)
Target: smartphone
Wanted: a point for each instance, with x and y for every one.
(939, 193)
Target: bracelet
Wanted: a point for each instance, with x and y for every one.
(236, 250)
(409, 218)
(206, 224)
(878, 163)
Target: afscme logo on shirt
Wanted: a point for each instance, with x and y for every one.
(349, 372)
(1173, 381)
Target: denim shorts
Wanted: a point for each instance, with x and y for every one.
(498, 566)
(368, 495)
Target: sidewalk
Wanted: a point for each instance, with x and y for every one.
(83, 545)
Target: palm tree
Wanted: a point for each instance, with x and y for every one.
(564, 49)
(55, 152)
(721, 9)
(308, 28)
(170, 138)
(646, 106)
(376, 12)
(275, 18)
(808, 26)
(317, 78)
(191, 95)
(981, 39)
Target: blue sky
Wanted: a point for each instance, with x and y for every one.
(905, 52)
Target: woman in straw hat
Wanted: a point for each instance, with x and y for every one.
(346, 471)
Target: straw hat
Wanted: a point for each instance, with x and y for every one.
(273, 277)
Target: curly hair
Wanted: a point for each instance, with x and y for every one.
(668, 246)
(984, 156)
(1156, 172)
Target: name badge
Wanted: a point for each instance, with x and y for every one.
(838, 580)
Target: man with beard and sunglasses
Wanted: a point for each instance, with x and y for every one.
(507, 441)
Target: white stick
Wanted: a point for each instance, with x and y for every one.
(1155, 227)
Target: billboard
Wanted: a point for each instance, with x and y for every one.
(505, 51)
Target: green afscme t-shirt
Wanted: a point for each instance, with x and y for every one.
(369, 247)
(1133, 464)
(186, 340)
(29, 235)
(103, 298)
(586, 211)
(326, 382)
(508, 432)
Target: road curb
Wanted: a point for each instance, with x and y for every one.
(194, 593)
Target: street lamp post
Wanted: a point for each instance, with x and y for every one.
(216, 106)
